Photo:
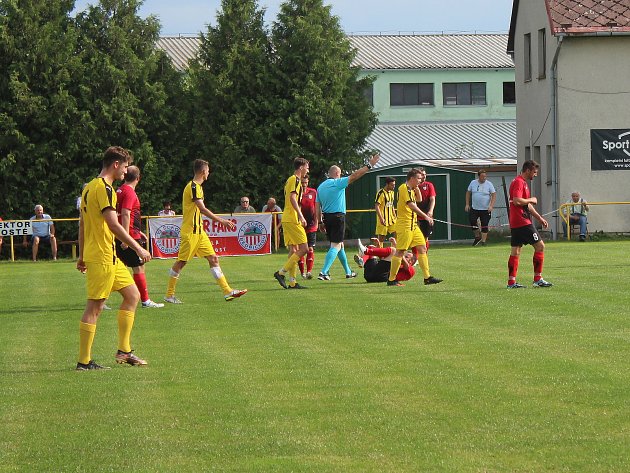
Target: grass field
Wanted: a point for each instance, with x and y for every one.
(464, 376)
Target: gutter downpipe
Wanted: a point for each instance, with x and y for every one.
(554, 133)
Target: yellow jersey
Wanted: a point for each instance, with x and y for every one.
(98, 239)
(406, 216)
(293, 185)
(385, 200)
(192, 222)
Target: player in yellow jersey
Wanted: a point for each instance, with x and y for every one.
(385, 211)
(194, 240)
(293, 225)
(407, 231)
(98, 224)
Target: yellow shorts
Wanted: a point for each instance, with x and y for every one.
(294, 233)
(103, 279)
(194, 245)
(406, 239)
(384, 229)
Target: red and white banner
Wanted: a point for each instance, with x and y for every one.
(252, 235)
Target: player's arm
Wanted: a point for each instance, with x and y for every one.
(414, 208)
(205, 211)
(125, 222)
(431, 206)
(80, 263)
(363, 169)
(111, 219)
(379, 213)
(296, 207)
(467, 208)
(320, 217)
(537, 216)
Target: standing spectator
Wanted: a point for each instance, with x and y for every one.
(98, 225)
(577, 214)
(427, 205)
(385, 210)
(244, 208)
(408, 235)
(43, 231)
(483, 197)
(331, 213)
(522, 229)
(194, 240)
(128, 210)
(293, 224)
(309, 196)
(166, 211)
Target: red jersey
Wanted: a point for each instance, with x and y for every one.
(519, 215)
(426, 190)
(405, 274)
(307, 204)
(128, 199)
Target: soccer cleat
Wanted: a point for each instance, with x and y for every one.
(361, 248)
(303, 275)
(351, 275)
(91, 366)
(431, 280)
(106, 307)
(172, 300)
(542, 283)
(234, 294)
(476, 241)
(297, 286)
(515, 285)
(309, 275)
(323, 277)
(394, 283)
(149, 304)
(358, 260)
(123, 357)
(280, 278)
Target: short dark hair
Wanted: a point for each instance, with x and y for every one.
(166, 202)
(132, 174)
(529, 165)
(413, 172)
(299, 162)
(116, 153)
(481, 171)
(199, 164)
(389, 180)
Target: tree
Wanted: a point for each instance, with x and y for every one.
(230, 87)
(322, 112)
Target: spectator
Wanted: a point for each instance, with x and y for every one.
(244, 208)
(483, 197)
(271, 206)
(577, 214)
(167, 211)
(42, 232)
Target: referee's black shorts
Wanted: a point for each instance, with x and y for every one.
(335, 226)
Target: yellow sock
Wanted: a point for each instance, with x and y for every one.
(293, 274)
(423, 262)
(170, 290)
(125, 324)
(393, 270)
(291, 262)
(86, 337)
(223, 284)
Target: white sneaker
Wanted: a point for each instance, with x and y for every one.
(106, 307)
(361, 248)
(149, 304)
(172, 300)
(309, 276)
(358, 260)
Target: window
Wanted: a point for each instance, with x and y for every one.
(410, 94)
(368, 94)
(464, 93)
(527, 57)
(509, 93)
(542, 54)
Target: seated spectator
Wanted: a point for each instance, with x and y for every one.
(271, 206)
(167, 211)
(244, 207)
(577, 211)
(376, 263)
(42, 232)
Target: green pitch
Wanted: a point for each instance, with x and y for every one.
(461, 376)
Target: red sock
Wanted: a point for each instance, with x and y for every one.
(512, 269)
(301, 265)
(539, 258)
(427, 243)
(310, 260)
(141, 282)
(380, 252)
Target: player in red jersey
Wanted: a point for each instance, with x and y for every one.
(427, 191)
(522, 229)
(310, 215)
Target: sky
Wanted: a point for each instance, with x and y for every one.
(189, 17)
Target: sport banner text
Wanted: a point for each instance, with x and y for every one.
(16, 227)
(610, 150)
(252, 235)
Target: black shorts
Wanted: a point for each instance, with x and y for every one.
(128, 256)
(483, 216)
(335, 226)
(425, 228)
(526, 235)
(311, 238)
(376, 270)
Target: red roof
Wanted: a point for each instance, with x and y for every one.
(588, 16)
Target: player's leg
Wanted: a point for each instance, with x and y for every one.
(515, 254)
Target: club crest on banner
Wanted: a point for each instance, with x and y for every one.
(252, 236)
(167, 239)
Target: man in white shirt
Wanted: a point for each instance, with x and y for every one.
(483, 196)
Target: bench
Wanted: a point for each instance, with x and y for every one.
(75, 246)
